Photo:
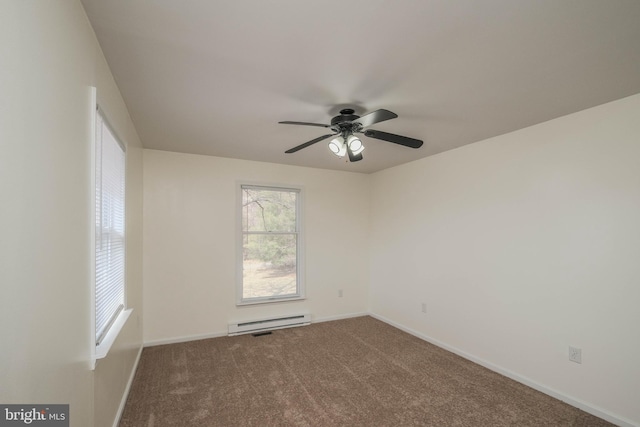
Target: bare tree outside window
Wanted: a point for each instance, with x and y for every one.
(270, 239)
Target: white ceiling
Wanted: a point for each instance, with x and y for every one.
(216, 77)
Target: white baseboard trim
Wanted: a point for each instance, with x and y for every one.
(593, 410)
(125, 395)
(337, 317)
(176, 340)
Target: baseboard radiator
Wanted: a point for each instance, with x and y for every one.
(249, 327)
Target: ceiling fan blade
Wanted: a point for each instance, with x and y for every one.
(306, 144)
(353, 157)
(396, 139)
(304, 124)
(375, 117)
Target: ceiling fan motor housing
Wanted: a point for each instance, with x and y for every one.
(343, 122)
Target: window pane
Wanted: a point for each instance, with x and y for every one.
(269, 265)
(268, 210)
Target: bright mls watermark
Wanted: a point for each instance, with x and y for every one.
(34, 415)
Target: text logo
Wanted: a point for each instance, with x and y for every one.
(34, 415)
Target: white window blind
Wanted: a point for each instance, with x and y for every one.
(109, 228)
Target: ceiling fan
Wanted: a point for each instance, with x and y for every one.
(346, 125)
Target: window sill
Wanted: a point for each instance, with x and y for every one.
(103, 348)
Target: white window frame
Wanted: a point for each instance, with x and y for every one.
(101, 345)
(300, 282)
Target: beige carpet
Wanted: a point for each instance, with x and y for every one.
(353, 372)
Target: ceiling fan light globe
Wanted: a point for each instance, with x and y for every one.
(338, 147)
(355, 144)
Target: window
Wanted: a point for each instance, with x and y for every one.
(109, 237)
(271, 245)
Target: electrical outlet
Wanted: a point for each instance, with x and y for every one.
(575, 354)
(339, 293)
(424, 307)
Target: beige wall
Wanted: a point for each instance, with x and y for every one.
(520, 246)
(190, 243)
(50, 58)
